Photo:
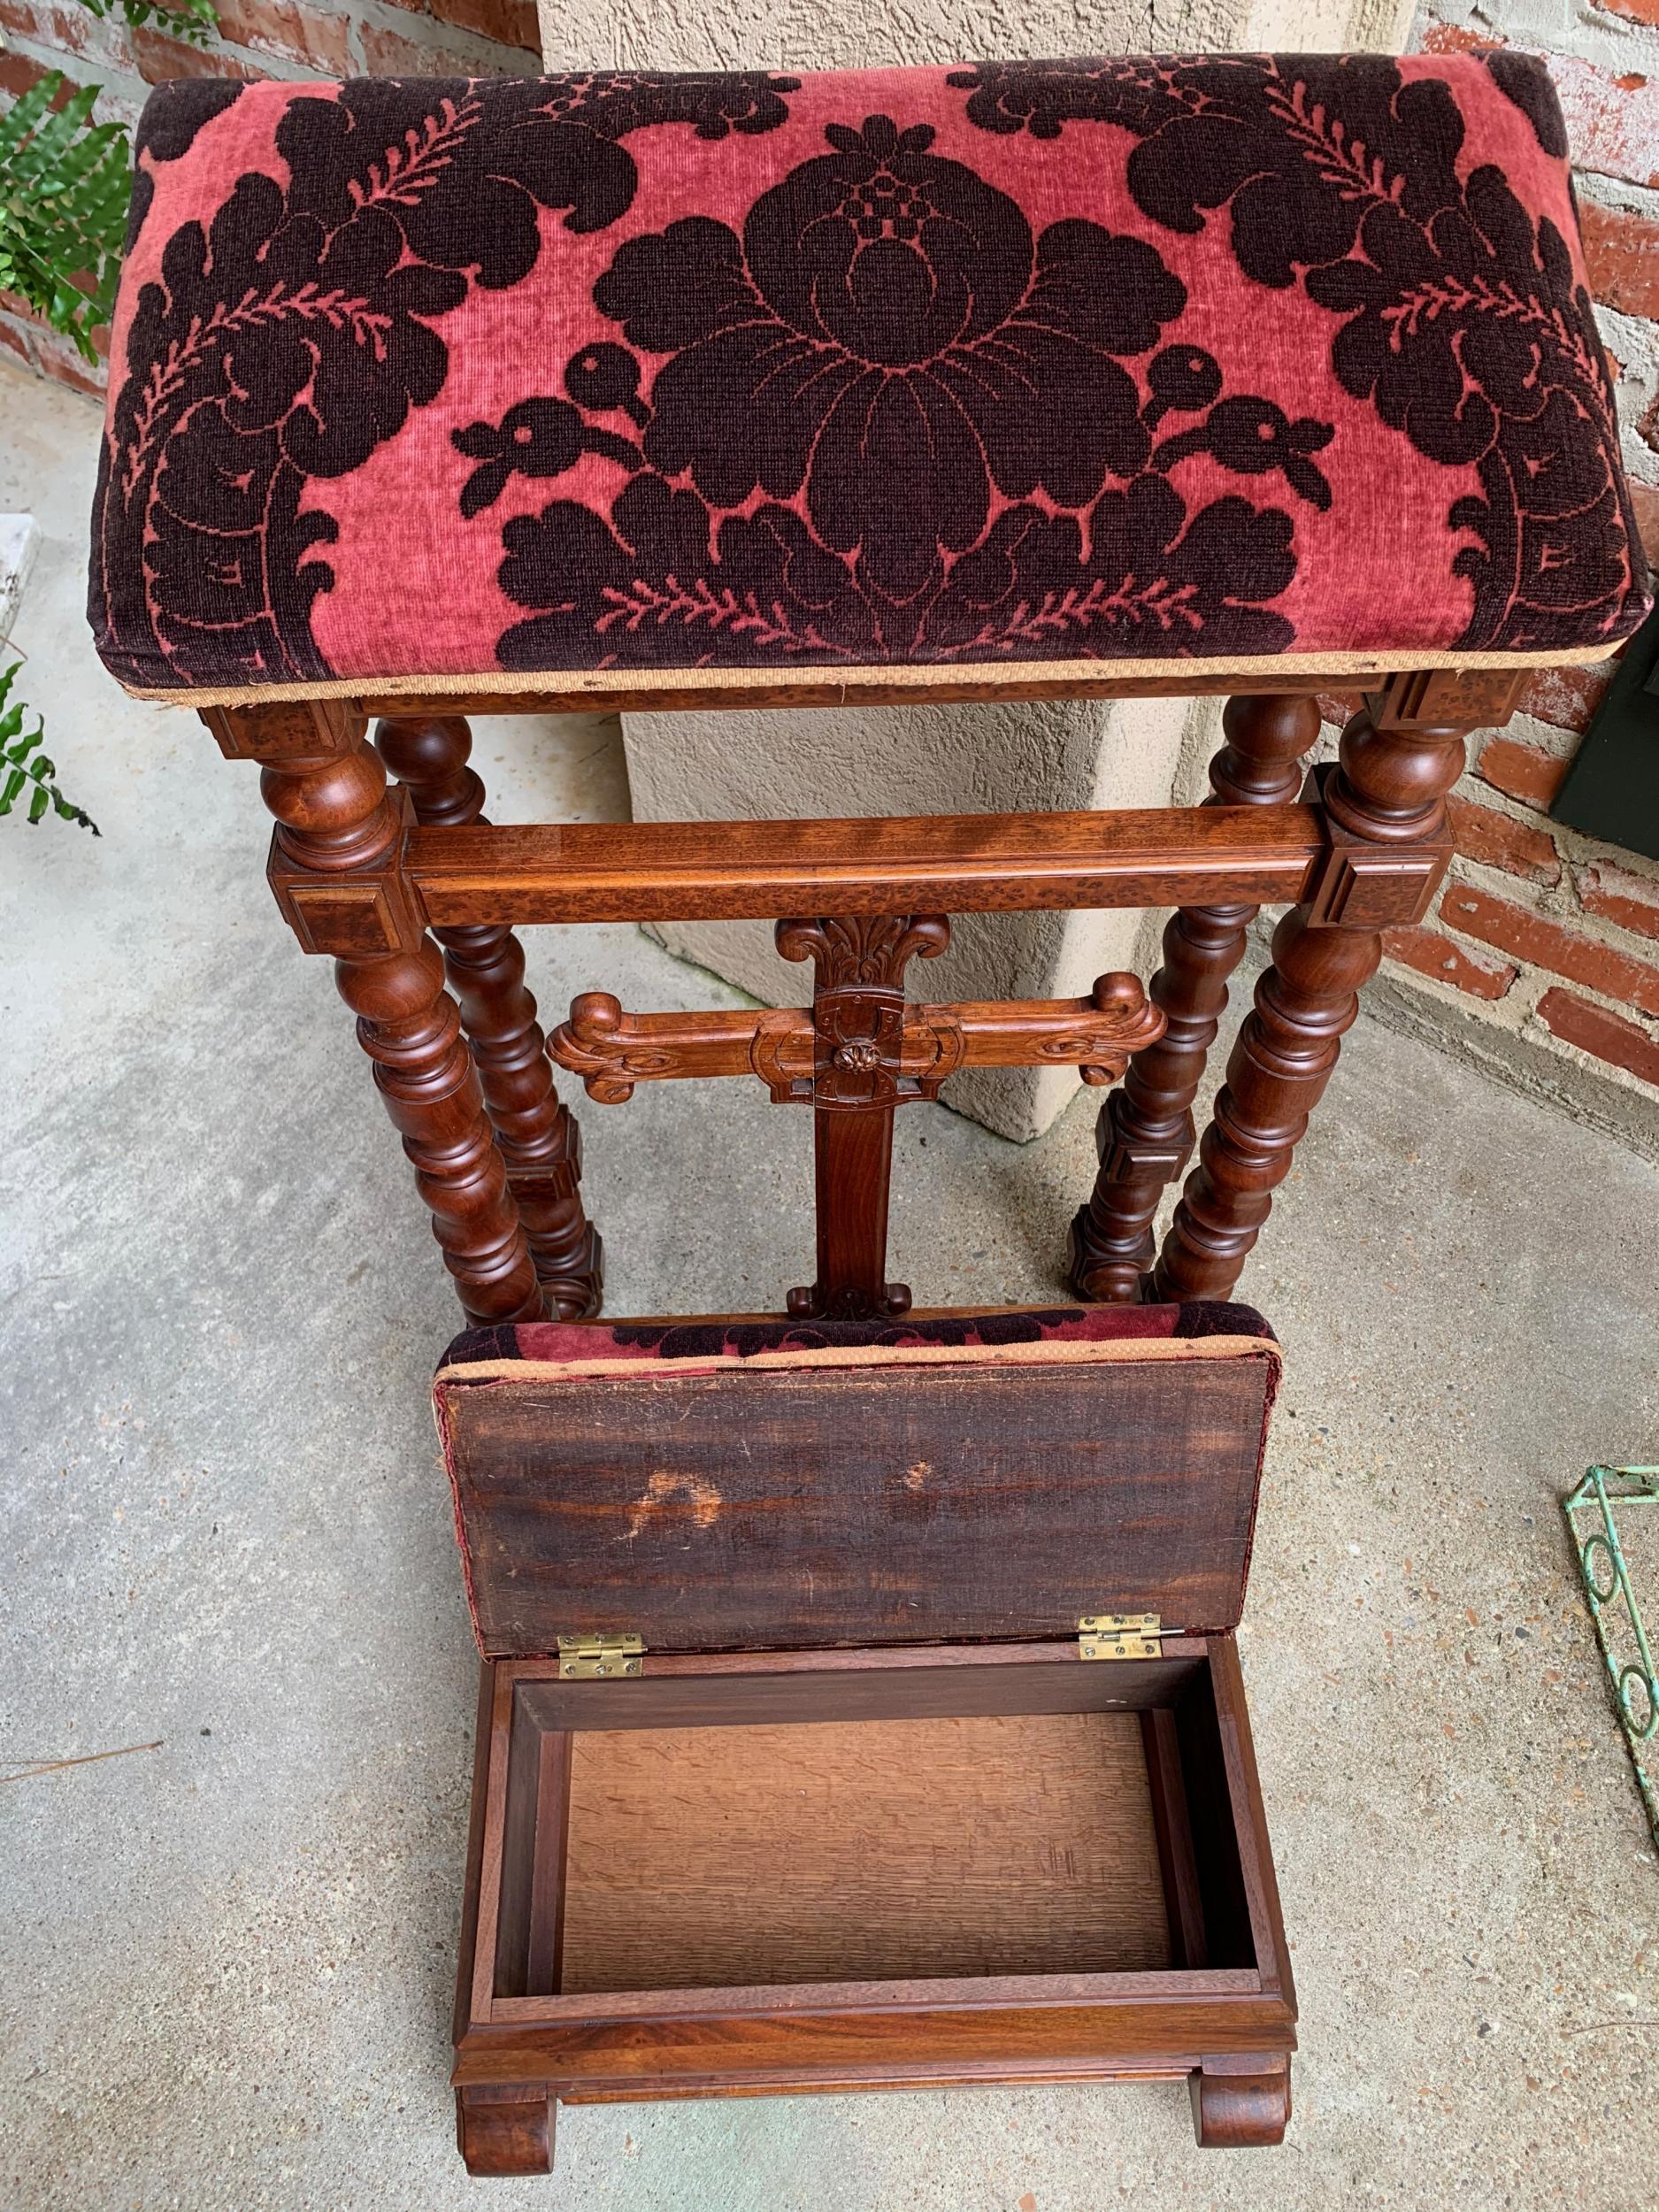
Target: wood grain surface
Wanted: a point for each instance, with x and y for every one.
(851, 1506)
(600, 872)
(710, 1857)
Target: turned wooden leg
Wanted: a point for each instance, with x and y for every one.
(505, 2129)
(1384, 810)
(1144, 1134)
(1240, 2103)
(411, 1028)
(538, 1137)
(336, 869)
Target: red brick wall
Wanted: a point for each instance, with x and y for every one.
(1539, 930)
(257, 38)
(1549, 932)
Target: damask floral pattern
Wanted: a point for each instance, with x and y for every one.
(1462, 318)
(887, 318)
(291, 331)
(1149, 577)
(926, 367)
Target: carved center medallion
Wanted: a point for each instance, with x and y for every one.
(861, 1052)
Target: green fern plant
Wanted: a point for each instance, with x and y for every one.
(193, 20)
(64, 182)
(26, 772)
(64, 187)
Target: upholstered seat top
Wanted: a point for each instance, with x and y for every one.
(553, 384)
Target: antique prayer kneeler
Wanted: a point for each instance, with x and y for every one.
(1250, 375)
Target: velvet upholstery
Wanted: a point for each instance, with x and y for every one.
(1008, 364)
(563, 1345)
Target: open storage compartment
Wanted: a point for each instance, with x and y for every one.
(925, 1821)
(728, 1871)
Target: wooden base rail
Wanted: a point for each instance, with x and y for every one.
(683, 872)
(409, 890)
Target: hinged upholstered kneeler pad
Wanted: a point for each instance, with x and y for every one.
(722, 1485)
(1055, 364)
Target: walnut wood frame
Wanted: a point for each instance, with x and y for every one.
(408, 887)
(1222, 2015)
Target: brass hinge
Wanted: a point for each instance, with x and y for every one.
(1120, 1636)
(596, 1658)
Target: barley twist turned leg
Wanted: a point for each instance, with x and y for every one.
(1387, 792)
(1145, 1132)
(538, 1136)
(336, 869)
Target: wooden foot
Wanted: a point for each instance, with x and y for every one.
(539, 1139)
(1145, 1132)
(505, 2129)
(1236, 2107)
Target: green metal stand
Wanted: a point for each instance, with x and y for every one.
(1619, 1626)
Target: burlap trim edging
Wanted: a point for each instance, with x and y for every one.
(1074, 1352)
(831, 686)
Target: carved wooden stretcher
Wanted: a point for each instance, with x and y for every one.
(381, 876)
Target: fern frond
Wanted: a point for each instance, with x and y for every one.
(64, 185)
(192, 21)
(25, 770)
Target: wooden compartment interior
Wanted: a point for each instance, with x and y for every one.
(747, 1832)
(860, 1851)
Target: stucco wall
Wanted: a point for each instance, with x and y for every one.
(860, 33)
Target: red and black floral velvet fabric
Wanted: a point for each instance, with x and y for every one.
(1115, 360)
(565, 1343)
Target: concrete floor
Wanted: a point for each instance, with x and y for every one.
(225, 1964)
